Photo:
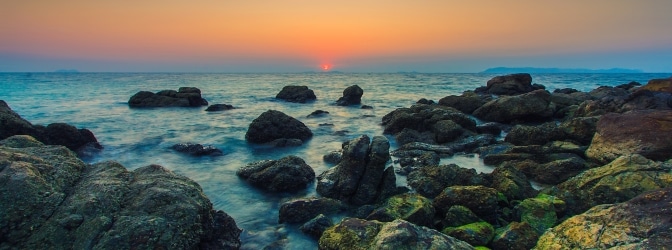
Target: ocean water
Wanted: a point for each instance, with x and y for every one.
(139, 137)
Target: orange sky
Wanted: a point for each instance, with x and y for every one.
(293, 34)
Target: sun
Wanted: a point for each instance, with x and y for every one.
(325, 67)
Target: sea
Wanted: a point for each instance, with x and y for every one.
(137, 137)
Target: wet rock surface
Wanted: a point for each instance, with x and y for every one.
(289, 173)
(298, 94)
(273, 124)
(183, 97)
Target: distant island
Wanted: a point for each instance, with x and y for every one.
(67, 71)
(507, 70)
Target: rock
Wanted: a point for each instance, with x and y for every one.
(219, 107)
(539, 212)
(53, 134)
(628, 86)
(476, 234)
(512, 183)
(358, 176)
(446, 131)
(284, 142)
(515, 236)
(483, 201)
(316, 226)
(197, 149)
(413, 208)
(290, 173)
(272, 125)
(640, 223)
(333, 157)
(645, 132)
(21, 141)
(431, 180)
(52, 200)
(513, 84)
(422, 118)
(618, 181)
(351, 96)
(579, 130)
(184, 97)
(533, 106)
(458, 216)
(492, 128)
(366, 107)
(660, 85)
(318, 113)
(354, 233)
(466, 103)
(411, 160)
(521, 135)
(305, 209)
(299, 94)
(425, 101)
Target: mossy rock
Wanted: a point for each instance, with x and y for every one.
(483, 201)
(413, 208)
(476, 234)
(458, 216)
(351, 233)
(539, 212)
(514, 236)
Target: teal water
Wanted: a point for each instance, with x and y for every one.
(139, 137)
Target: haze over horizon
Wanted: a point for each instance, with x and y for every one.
(350, 36)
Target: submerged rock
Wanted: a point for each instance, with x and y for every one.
(354, 233)
(298, 94)
(272, 125)
(290, 173)
(351, 96)
(219, 107)
(316, 226)
(305, 209)
(640, 223)
(184, 97)
(52, 200)
(197, 149)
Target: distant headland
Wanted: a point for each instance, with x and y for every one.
(507, 70)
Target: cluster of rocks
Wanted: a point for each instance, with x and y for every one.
(53, 200)
(183, 97)
(301, 94)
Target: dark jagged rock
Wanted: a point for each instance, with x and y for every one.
(52, 200)
(646, 132)
(184, 97)
(316, 226)
(483, 201)
(640, 223)
(413, 208)
(532, 106)
(63, 134)
(512, 183)
(290, 173)
(423, 118)
(351, 96)
(298, 94)
(284, 142)
(359, 175)
(425, 101)
(318, 113)
(272, 125)
(458, 216)
(467, 102)
(513, 84)
(431, 180)
(352, 233)
(659, 85)
(618, 181)
(515, 236)
(540, 212)
(197, 149)
(476, 234)
(305, 209)
(219, 107)
(333, 157)
(411, 160)
(492, 128)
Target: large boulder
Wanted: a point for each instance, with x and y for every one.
(513, 84)
(351, 96)
(660, 85)
(359, 177)
(618, 181)
(532, 106)
(515, 236)
(511, 182)
(467, 102)
(183, 97)
(299, 94)
(640, 223)
(413, 208)
(54, 134)
(290, 173)
(354, 233)
(644, 132)
(483, 201)
(272, 125)
(428, 123)
(52, 200)
(431, 180)
(541, 212)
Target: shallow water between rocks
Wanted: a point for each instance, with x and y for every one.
(139, 137)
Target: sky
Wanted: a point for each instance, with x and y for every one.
(347, 35)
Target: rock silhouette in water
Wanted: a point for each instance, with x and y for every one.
(184, 97)
(351, 96)
(273, 124)
(298, 94)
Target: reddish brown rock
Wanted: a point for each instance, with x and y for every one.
(644, 132)
(661, 85)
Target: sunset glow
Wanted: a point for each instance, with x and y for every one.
(370, 35)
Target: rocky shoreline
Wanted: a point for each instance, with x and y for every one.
(604, 157)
